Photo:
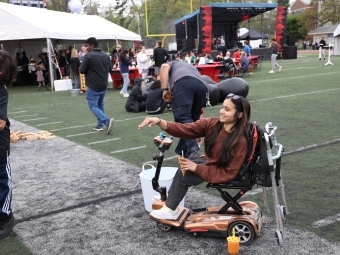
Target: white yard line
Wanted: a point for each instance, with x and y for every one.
(279, 97)
(295, 77)
(312, 146)
(24, 116)
(104, 141)
(326, 221)
(51, 123)
(130, 149)
(87, 133)
(86, 125)
(16, 112)
(36, 119)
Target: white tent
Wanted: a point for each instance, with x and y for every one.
(21, 22)
(33, 29)
(336, 35)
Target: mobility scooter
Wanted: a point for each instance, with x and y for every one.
(246, 216)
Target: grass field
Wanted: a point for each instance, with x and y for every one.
(303, 101)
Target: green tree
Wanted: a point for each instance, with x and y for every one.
(4, 1)
(296, 26)
(326, 11)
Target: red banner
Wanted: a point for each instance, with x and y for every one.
(281, 23)
(205, 29)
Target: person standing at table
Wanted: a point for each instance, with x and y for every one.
(189, 91)
(25, 62)
(143, 64)
(322, 45)
(96, 66)
(275, 51)
(160, 56)
(236, 53)
(222, 48)
(75, 64)
(82, 53)
(247, 48)
(124, 64)
(8, 72)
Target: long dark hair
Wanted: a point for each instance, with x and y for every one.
(122, 54)
(229, 144)
(8, 68)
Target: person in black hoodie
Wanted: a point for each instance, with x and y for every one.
(136, 101)
(8, 72)
(155, 103)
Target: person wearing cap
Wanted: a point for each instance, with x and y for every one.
(136, 102)
(322, 45)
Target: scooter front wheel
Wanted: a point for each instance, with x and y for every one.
(163, 226)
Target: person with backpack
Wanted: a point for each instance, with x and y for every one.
(224, 133)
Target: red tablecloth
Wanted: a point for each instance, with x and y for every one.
(117, 78)
(214, 69)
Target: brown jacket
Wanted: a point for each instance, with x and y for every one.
(210, 172)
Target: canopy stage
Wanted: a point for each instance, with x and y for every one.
(197, 29)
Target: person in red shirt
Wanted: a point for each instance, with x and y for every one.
(224, 133)
(237, 54)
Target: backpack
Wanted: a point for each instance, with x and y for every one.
(256, 168)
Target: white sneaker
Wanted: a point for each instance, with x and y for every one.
(280, 68)
(126, 95)
(121, 92)
(271, 71)
(165, 213)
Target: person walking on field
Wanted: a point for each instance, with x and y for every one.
(275, 51)
(96, 65)
(8, 72)
(160, 56)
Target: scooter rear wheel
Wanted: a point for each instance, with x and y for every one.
(244, 230)
(164, 227)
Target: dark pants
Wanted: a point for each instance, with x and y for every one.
(5, 188)
(179, 187)
(189, 97)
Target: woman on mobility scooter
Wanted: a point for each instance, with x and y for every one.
(224, 134)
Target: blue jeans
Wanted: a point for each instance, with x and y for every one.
(76, 81)
(95, 101)
(126, 82)
(5, 188)
(189, 97)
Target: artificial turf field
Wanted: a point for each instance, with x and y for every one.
(302, 101)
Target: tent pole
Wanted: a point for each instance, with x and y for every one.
(261, 28)
(48, 40)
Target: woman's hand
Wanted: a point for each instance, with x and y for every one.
(151, 121)
(187, 165)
